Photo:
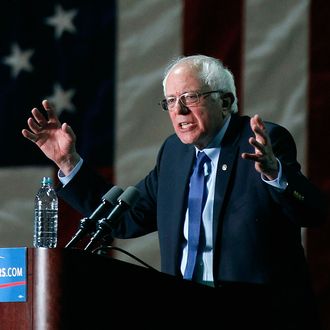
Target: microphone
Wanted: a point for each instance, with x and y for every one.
(108, 200)
(125, 201)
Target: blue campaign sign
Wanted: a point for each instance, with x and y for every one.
(13, 271)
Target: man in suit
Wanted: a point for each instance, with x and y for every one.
(256, 198)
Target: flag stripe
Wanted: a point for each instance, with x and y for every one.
(141, 126)
(276, 34)
(18, 187)
(214, 28)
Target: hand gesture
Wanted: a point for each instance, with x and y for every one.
(265, 161)
(56, 141)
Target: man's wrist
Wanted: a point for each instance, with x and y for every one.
(66, 166)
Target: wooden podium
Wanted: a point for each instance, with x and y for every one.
(75, 289)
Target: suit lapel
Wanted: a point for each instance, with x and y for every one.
(226, 163)
(181, 184)
(176, 185)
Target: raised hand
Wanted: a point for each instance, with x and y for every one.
(263, 156)
(55, 140)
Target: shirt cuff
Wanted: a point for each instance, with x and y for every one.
(65, 179)
(280, 182)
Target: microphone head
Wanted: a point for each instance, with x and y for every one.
(112, 195)
(129, 196)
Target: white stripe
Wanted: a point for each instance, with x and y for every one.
(149, 35)
(276, 64)
(17, 190)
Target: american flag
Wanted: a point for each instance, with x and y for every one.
(101, 62)
(64, 52)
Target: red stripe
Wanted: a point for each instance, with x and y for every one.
(318, 242)
(215, 28)
(6, 285)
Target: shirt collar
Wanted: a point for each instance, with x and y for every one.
(212, 150)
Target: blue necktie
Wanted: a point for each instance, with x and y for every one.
(195, 209)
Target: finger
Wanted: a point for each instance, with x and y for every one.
(67, 129)
(259, 121)
(261, 135)
(34, 126)
(257, 125)
(39, 117)
(254, 121)
(259, 130)
(254, 157)
(28, 135)
(258, 145)
(50, 111)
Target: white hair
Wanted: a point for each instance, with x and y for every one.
(211, 71)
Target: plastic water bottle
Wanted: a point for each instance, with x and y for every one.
(45, 215)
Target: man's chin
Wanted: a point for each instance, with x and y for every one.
(188, 141)
(185, 138)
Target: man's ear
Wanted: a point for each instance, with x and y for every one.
(227, 100)
(225, 103)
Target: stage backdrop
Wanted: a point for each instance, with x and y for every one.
(101, 64)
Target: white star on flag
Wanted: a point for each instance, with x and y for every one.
(62, 100)
(19, 60)
(62, 21)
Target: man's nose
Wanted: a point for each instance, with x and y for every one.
(180, 108)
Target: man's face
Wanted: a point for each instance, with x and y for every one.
(199, 123)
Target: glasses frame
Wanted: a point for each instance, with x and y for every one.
(164, 105)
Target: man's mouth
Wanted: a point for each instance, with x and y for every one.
(185, 125)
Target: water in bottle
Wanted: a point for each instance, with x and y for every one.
(45, 215)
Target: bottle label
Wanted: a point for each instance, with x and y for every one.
(45, 228)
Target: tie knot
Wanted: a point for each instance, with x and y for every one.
(202, 158)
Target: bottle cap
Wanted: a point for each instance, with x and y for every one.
(46, 180)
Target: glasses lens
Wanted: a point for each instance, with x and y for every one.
(185, 99)
(189, 98)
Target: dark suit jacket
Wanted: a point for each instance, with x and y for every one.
(256, 228)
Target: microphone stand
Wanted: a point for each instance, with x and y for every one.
(102, 227)
(103, 249)
(126, 200)
(110, 198)
(84, 226)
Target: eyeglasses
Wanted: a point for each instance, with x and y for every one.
(186, 99)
